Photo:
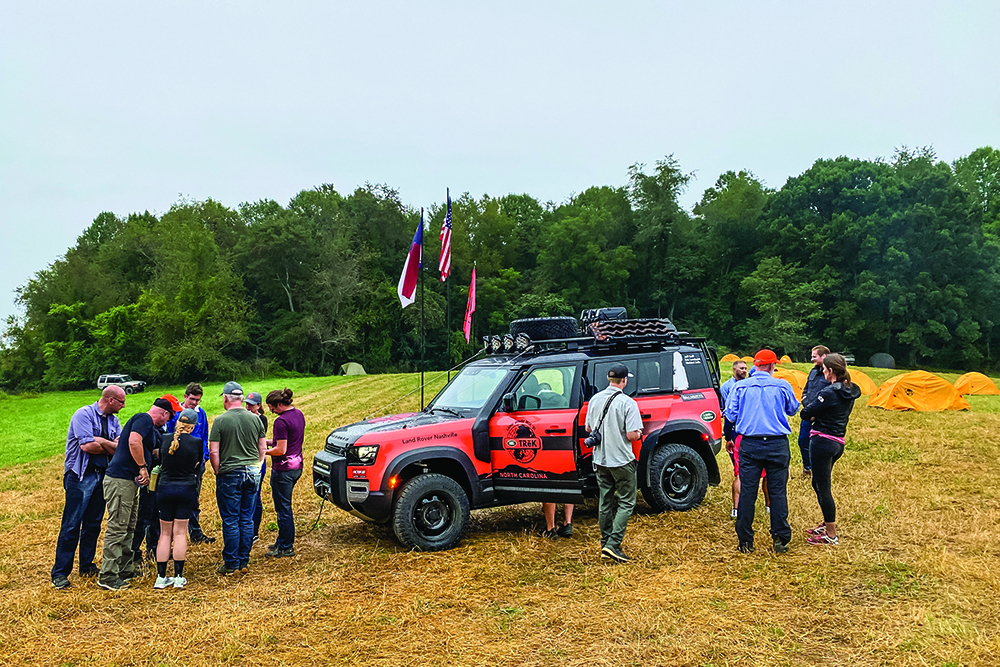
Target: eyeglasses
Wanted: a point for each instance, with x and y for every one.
(120, 400)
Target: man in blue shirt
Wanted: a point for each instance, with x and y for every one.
(760, 407)
(192, 399)
(90, 442)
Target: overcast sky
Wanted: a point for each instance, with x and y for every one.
(129, 106)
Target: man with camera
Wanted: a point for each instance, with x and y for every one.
(614, 422)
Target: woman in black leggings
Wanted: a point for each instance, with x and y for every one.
(829, 415)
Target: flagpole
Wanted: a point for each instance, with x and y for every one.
(421, 319)
(448, 292)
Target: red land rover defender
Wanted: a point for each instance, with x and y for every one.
(508, 429)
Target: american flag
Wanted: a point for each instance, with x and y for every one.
(445, 264)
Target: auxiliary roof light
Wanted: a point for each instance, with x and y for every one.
(495, 344)
(508, 343)
(522, 342)
(486, 343)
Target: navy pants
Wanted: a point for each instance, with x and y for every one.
(771, 454)
(826, 452)
(81, 522)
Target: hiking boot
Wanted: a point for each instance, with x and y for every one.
(615, 553)
(129, 573)
(61, 582)
(201, 538)
(550, 533)
(818, 530)
(823, 540)
(807, 473)
(780, 547)
(91, 573)
(287, 553)
(163, 582)
(112, 583)
(746, 547)
(225, 570)
(565, 531)
(180, 582)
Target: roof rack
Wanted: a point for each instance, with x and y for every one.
(605, 336)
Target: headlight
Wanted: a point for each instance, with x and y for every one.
(363, 455)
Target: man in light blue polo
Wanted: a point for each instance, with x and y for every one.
(760, 407)
(616, 417)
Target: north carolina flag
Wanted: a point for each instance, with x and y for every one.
(471, 307)
(407, 289)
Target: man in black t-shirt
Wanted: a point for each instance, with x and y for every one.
(128, 470)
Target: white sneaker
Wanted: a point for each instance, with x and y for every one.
(163, 582)
(734, 514)
(767, 508)
(179, 582)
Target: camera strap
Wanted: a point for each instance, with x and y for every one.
(605, 413)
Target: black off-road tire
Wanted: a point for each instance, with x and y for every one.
(545, 328)
(431, 513)
(129, 390)
(678, 479)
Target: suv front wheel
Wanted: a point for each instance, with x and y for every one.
(431, 513)
(678, 479)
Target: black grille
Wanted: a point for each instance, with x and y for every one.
(336, 449)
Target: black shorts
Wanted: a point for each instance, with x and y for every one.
(176, 501)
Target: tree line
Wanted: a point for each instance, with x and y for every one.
(899, 256)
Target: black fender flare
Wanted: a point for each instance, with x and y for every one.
(429, 455)
(686, 432)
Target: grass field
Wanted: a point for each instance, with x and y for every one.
(914, 582)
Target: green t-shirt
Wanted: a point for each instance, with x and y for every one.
(237, 432)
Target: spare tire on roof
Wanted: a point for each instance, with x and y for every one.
(882, 360)
(545, 328)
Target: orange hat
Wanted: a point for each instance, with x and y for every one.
(174, 403)
(765, 357)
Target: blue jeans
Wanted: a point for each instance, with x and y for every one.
(236, 493)
(282, 484)
(804, 429)
(81, 522)
(757, 454)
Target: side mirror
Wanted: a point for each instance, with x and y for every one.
(508, 402)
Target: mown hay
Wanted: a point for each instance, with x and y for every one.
(914, 582)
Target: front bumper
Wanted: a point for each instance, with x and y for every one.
(351, 495)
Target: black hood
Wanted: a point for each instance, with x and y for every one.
(845, 392)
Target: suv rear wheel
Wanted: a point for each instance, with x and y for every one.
(431, 513)
(129, 390)
(678, 478)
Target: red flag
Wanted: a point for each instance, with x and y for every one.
(407, 289)
(471, 307)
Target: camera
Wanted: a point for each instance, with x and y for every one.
(593, 440)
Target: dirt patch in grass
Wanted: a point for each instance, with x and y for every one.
(914, 581)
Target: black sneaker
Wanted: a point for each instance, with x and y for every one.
(280, 553)
(746, 547)
(130, 573)
(201, 538)
(565, 530)
(615, 553)
(61, 582)
(91, 573)
(780, 547)
(550, 533)
(112, 583)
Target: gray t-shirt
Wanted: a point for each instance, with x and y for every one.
(615, 449)
(238, 433)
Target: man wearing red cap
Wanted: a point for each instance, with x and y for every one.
(760, 407)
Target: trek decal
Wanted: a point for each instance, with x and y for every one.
(522, 441)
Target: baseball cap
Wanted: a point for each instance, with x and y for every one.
(164, 404)
(175, 405)
(619, 371)
(254, 398)
(233, 388)
(188, 416)
(765, 357)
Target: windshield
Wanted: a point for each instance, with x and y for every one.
(125, 378)
(470, 389)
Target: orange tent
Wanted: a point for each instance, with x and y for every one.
(749, 360)
(920, 391)
(865, 383)
(795, 378)
(728, 359)
(785, 359)
(976, 383)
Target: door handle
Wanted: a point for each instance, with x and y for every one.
(555, 430)
(649, 416)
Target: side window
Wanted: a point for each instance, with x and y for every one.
(601, 375)
(680, 374)
(546, 388)
(103, 378)
(694, 368)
